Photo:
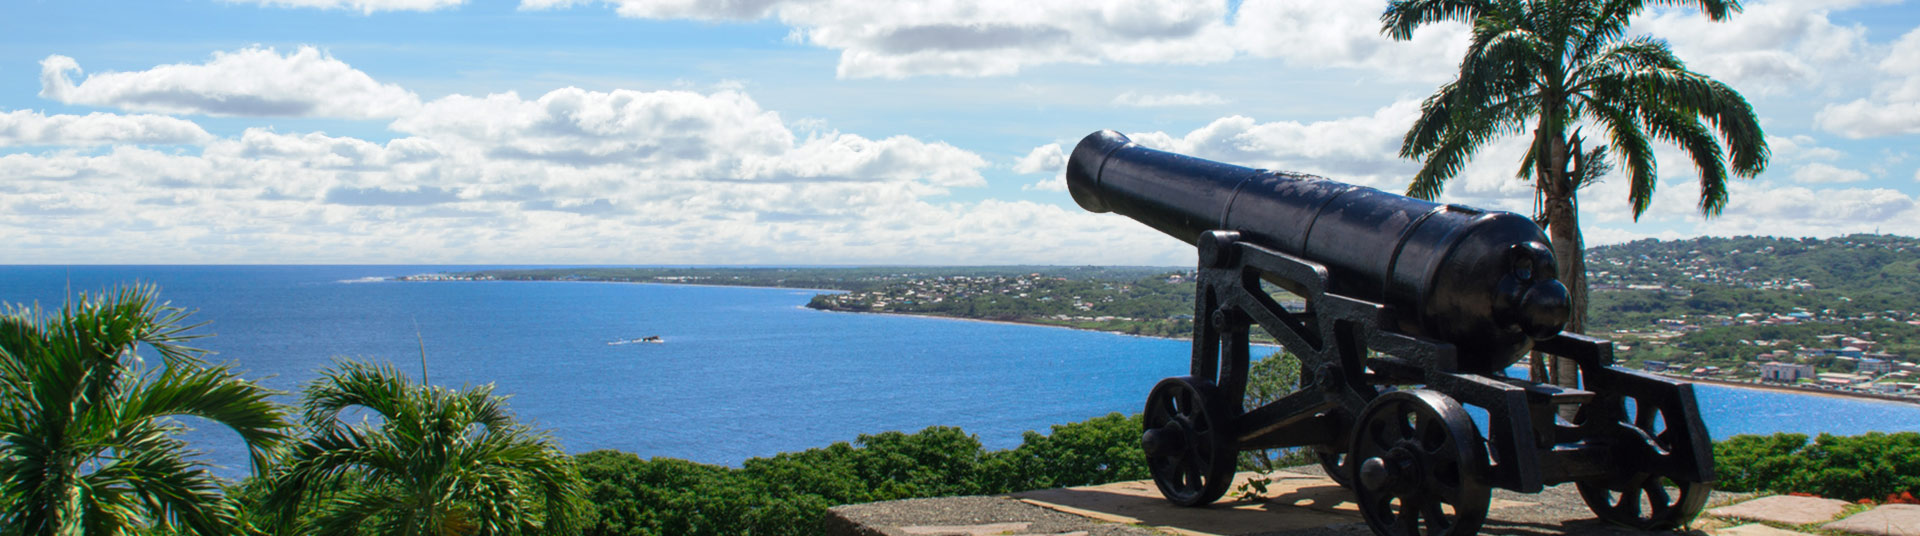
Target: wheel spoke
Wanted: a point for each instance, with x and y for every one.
(1437, 522)
(1658, 501)
(1408, 520)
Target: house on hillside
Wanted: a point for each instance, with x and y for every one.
(1774, 371)
(1834, 379)
(1868, 365)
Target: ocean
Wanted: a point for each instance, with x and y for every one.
(743, 372)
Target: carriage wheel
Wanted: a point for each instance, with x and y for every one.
(1642, 500)
(1418, 466)
(1188, 441)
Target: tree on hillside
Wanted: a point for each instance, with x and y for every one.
(1557, 66)
(427, 461)
(87, 440)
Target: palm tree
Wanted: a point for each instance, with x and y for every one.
(1552, 65)
(437, 462)
(87, 440)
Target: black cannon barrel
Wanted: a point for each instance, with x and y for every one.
(1484, 281)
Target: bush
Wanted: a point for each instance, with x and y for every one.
(1872, 466)
(789, 493)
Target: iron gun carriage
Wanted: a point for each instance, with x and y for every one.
(1413, 312)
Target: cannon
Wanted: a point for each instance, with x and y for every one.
(1411, 313)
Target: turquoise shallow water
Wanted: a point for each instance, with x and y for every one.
(745, 371)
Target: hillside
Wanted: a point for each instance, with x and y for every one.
(1727, 304)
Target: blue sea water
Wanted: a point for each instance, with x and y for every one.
(745, 372)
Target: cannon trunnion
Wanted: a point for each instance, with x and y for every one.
(1413, 312)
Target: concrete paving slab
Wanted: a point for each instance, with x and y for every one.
(1784, 509)
(1755, 529)
(1298, 502)
(959, 515)
(1883, 520)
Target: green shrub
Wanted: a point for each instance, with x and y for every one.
(1867, 466)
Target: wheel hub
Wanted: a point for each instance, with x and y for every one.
(1169, 440)
(1390, 471)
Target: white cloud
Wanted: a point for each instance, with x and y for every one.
(255, 82)
(1049, 159)
(1002, 37)
(24, 127)
(1800, 211)
(1191, 98)
(1893, 108)
(1360, 150)
(1346, 34)
(1769, 47)
(488, 179)
(363, 6)
(1799, 147)
(1818, 172)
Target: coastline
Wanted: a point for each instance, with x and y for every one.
(1792, 389)
(809, 289)
(1787, 389)
(1007, 322)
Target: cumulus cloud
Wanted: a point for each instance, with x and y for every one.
(1802, 211)
(1191, 98)
(363, 6)
(567, 177)
(24, 127)
(1818, 172)
(255, 82)
(1769, 48)
(1361, 150)
(1894, 106)
(1001, 37)
(1049, 159)
(1346, 34)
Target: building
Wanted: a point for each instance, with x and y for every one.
(1775, 371)
(1868, 365)
(1655, 366)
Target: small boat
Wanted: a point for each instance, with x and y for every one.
(650, 339)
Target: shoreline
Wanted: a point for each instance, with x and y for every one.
(1785, 389)
(1793, 389)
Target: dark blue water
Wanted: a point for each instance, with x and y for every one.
(745, 371)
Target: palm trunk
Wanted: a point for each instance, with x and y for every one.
(1563, 230)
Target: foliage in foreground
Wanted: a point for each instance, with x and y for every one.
(87, 440)
(1871, 466)
(790, 492)
(436, 461)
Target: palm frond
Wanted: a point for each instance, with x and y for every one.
(1636, 151)
(1402, 17)
(180, 491)
(379, 388)
(1697, 141)
(217, 394)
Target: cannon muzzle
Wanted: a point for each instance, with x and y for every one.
(1484, 281)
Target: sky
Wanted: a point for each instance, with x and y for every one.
(821, 132)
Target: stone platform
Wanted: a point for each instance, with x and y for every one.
(1301, 502)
